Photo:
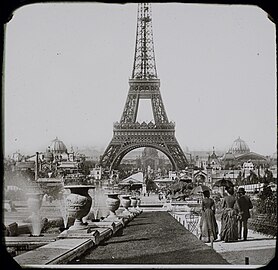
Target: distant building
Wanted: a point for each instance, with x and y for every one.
(172, 175)
(248, 165)
(55, 161)
(240, 154)
(214, 162)
(150, 158)
(237, 164)
(239, 147)
(96, 173)
(150, 161)
(58, 147)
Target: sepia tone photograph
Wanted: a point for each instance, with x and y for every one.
(139, 135)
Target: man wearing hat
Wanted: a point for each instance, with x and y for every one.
(243, 204)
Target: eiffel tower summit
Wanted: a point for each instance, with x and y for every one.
(129, 134)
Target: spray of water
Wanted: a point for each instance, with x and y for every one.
(98, 202)
(34, 203)
(63, 207)
(36, 222)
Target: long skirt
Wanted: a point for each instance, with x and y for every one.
(229, 231)
(208, 226)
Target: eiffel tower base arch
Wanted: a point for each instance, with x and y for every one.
(120, 146)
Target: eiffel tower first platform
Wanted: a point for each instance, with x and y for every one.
(129, 134)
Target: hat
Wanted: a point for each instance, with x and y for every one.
(241, 190)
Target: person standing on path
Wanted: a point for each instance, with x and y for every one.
(208, 225)
(243, 205)
(229, 228)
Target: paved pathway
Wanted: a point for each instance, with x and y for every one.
(153, 238)
(259, 249)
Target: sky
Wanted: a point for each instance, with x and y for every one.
(67, 68)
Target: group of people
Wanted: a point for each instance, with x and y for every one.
(234, 216)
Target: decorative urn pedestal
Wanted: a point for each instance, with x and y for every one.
(113, 203)
(79, 203)
(125, 201)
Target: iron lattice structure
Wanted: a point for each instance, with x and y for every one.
(144, 84)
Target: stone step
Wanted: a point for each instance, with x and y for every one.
(94, 235)
(30, 239)
(60, 251)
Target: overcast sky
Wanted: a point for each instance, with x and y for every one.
(67, 68)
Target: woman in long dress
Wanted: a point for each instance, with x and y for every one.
(208, 225)
(229, 217)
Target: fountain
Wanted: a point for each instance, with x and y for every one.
(99, 207)
(70, 205)
(34, 203)
(63, 207)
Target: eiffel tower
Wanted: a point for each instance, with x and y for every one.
(129, 134)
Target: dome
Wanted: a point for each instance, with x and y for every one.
(58, 147)
(239, 147)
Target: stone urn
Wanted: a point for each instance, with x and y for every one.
(133, 202)
(138, 203)
(78, 204)
(125, 201)
(138, 209)
(113, 203)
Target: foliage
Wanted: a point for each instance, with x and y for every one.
(151, 185)
(267, 205)
(265, 213)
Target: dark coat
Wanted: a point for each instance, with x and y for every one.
(243, 204)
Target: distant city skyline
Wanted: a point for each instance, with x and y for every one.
(96, 150)
(67, 68)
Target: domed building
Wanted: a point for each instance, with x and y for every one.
(58, 160)
(239, 147)
(59, 150)
(57, 147)
(239, 153)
